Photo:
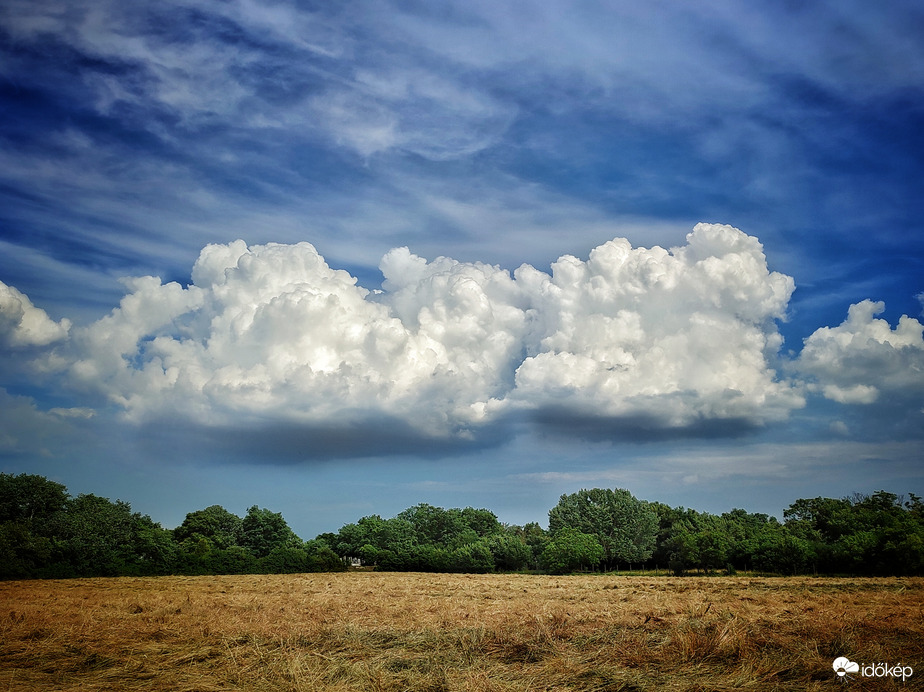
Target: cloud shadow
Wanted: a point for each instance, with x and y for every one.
(293, 443)
(564, 423)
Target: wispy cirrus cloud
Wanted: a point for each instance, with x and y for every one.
(210, 117)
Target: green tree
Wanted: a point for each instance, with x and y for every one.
(536, 539)
(30, 498)
(103, 538)
(351, 538)
(864, 534)
(821, 518)
(625, 527)
(509, 551)
(674, 548)
(321, 558)
(680, 548)
(329, 539)
(777, 550)
(262, 531)
(23, 553)
(438, 526)
(221, 527)
(745, 531)
(155, 550)
(285, 559)
(473, 558)
(713, 543)
(570, 550)
(482, 521)
(233, 560)
(31, 512)
(98, 536)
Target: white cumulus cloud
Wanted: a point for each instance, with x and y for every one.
(22, 324)
(859, 360)
(272, 333)
(677, 337)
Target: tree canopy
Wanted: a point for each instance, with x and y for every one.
(44, 532)
(626, 528)
(222, 528)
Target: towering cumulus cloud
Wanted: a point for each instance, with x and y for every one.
(670, 337)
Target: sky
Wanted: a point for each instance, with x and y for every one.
(337, 259)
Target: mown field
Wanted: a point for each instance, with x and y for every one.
(381, 631)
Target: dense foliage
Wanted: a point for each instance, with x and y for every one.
(431, 539)
(601, 529)
(878, 534)
(624, 527)
(44, 532)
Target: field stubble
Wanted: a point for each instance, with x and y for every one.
(432, 632)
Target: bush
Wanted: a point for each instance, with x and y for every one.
(475, 558)
(571, 550)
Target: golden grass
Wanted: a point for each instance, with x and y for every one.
(431, 632)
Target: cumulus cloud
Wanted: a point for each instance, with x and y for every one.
(863, 358)
(22, 324)
(447, 348)
(676, 337)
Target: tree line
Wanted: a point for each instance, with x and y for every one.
(46, 533)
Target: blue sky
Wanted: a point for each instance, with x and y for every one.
(466, 253)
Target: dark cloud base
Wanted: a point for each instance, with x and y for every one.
(560, 422)
(291, 443)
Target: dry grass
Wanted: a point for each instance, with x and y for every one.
(373, 631)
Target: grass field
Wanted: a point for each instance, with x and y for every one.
(379, 631)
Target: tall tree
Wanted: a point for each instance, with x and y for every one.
(624, 526)
(32, 509)
(438, 526)
(28, 497)
(104, 538)
(262, 531)
(482, 521)
(222, 528)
